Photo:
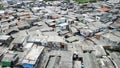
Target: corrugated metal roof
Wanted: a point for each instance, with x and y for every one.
(33, 55)
(8, 57)
(89, 61)
(4, 37)
(111, 37)
(19, 39)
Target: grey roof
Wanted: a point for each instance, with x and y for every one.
(8, 57)
(58, 59)
(87, 46)
(99, 51)
(89, 61)
(53, 61)
(66, 59)
(116, 59)
(33, 55)
(20, 33)
(3, 50)
(47, 29)
(19, 39)
(73, 29)
(55, 39)
(22, 13)
(63, 32)
(4, 37)
(77, 64)
(76, 48)
(34, 28)
(11, 29)
(116, 33)
(72, 39)
(24, 25)
(111, 37)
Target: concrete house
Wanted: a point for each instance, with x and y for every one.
(5, 40)
(110, 39)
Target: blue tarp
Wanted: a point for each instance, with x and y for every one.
(25, 65)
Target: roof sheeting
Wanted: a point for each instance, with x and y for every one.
(28, 45)
(104, 9)
(33, 55)
(111, 37)
(66, 59)
(19, 39)
(63, 24)
(55, 39)
(4, 37)
(89, 61)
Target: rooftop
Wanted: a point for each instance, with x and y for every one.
(111, 37)
(89, 61)
(4, 37)
(33, 55)
(8, 57)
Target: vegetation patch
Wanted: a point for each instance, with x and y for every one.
(1, 7)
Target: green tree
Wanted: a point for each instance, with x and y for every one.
(1, 7)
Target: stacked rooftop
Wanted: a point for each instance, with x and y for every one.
(59, 34)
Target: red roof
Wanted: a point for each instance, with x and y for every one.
(104, 9)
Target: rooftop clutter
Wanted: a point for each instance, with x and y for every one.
(59, 34)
